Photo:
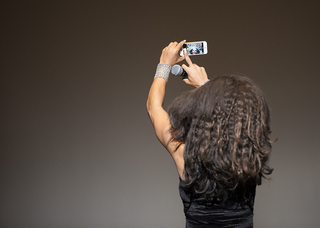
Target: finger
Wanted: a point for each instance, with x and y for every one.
(185, 67)
(186, 80)
(164, 49)
(180, 45)
(173, 44)
(204, 72)
(187, 58)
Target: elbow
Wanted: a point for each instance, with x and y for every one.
(150, 109)
(151, 104)
(148, 106)
(153, 109)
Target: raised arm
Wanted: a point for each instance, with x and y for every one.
(159, 117)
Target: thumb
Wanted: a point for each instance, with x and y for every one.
(181, 58)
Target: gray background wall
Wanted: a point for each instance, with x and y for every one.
(77, 147)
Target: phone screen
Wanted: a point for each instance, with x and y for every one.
(195, 48)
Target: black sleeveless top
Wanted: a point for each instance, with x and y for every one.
(235, 212)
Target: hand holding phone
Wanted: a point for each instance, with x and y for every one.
(170, 55)
(195, 48)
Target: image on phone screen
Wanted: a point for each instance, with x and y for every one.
(194, 48)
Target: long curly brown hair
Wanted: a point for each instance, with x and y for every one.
(225, 126)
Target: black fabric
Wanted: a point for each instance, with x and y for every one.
(235, 212)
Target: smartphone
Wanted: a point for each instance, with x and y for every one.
(195, 48)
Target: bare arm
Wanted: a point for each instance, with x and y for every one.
(159, 117)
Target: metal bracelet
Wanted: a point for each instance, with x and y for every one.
(163, 71)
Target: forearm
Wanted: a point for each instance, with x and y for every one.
(168, 58)
(156, 95)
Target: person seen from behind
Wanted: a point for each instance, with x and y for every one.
(218, 136)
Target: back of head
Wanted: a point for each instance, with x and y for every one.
(225, 127)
